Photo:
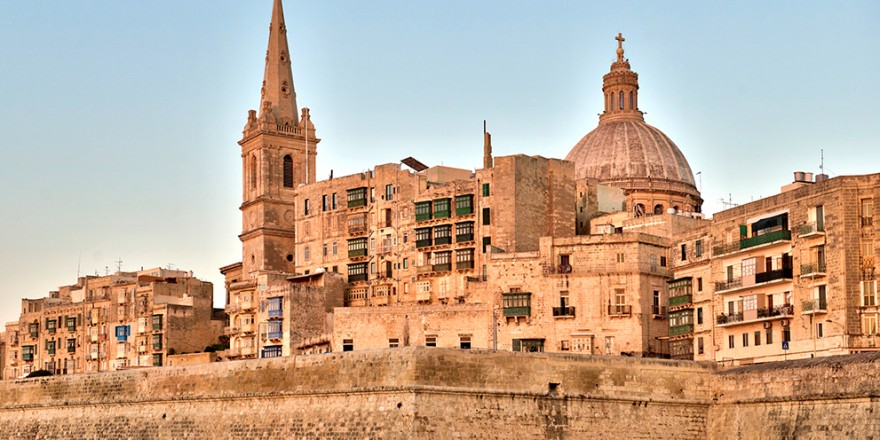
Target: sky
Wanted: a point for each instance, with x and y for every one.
(120, 119)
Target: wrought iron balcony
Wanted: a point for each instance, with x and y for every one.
(770, 237)
(816, 269)
(563, 311)
(728, 285)
(658, 310)
(773, 275)
(867, 221)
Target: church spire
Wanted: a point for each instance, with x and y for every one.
(621, 89)
(278, 101)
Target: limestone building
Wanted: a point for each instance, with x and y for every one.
(123, 320)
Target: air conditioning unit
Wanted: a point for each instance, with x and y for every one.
(784, 322)
(768, 324)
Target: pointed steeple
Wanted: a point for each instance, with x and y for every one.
(621, 89)
(278, 102)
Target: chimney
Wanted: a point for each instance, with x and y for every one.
(821, 178)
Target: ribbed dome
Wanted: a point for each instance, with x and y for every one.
(624, 150)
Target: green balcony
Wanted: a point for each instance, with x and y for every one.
(769, 237)
(354, 253)
(356, 203)
(516, 304)
(440, 214)
(680, 300)
(681, 329)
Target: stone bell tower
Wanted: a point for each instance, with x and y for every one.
(278, 148)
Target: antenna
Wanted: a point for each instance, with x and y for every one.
(822, 160)
(118, 264)
(727, 204)
(79, 265)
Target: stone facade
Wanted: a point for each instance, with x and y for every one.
(124, 320)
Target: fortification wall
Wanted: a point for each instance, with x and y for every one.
(428, 393)
(829, 397)
(400, 393)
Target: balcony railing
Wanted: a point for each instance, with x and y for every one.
(867, 221)
(815, 305)
(563, 311)
(619, 310)
(683, 329)
(727, 318)
(681, 300)
(384, 249)
(464, 265)
(812, 269)
(762, 313)
(728, 285)
(727, 248)
(274, 313)
(770, 237)
(810, 228)
(773, 275)
(658, 310)
(229, 331)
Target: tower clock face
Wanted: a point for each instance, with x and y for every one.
(288, 216)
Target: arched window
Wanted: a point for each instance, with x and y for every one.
(621, 100)
(253, 172)
(632, 100)
(658, 209)
(676, 208)
(288, 172)
(639, 210)
(612, 100)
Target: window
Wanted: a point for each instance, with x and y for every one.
(700, 315)
(357, 197)
(357, 272)
(275, 330)
(71, 345)
(757, 338)
(334, 247)
(253, 173)
(271, 351)
(324, 249)
(157, 322)
(869, 324)
(487, 219)
(288, 171)
(333, 201)
(71, 323)
(357, 247)
(786, 335)
(423, 211)
(442, 261)
(393, 343)
(768, 336)
(443, 234)
(324, 205)
(698, 248)
(487, 241)
(620, 257)
(528, 345)
(658, 209)
(348, 345)
(275, 306)
(464, 232)
(464, 205)
(157, 342)
(51, 326)
(441, 208)
(423, 237)
(612, 100)
(819, 332)
(869, 293)
(34, 329)
(50, 347)
(389, 192)
(306, 207)
(306, 253)
(464, 341)
(867, 212)
(662, 261)
(464, 259)
(684, 252)
(620, 100)
(730, 341)
(157, 360)
(485, 190)
(122, 332)
(700, 347)
(406, 263)
(745, 339)
(699, 284)
(748, 267)
(430, 341)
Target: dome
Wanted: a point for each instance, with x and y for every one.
(625, 152)
(619, 151)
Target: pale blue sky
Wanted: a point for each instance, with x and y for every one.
(119, 119)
